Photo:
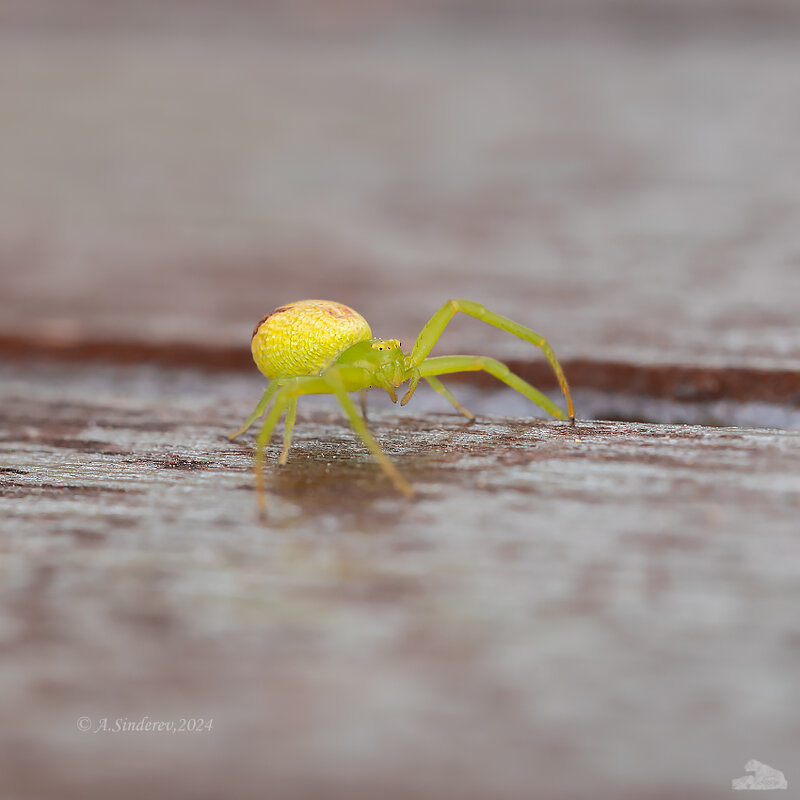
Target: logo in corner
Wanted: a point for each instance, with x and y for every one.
(763, 777)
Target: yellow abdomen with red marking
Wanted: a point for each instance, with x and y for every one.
(305, 337)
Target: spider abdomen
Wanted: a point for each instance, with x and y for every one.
(305, 337)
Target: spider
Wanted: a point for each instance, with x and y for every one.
(324, 347)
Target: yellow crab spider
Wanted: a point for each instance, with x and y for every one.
(323, 347)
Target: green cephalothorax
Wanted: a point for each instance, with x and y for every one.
(382, 362)
(384, 355)
(324, 347)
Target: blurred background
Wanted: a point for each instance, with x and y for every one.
(622, 176)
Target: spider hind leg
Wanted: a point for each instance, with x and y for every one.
(291, 413)
(262, 440)
(260, 408)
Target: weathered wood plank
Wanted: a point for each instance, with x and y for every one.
(607, 609)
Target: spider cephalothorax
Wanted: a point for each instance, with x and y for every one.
(324, 347)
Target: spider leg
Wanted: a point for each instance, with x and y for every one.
(445, 365)
(412, 387)
(291, 413)
(272, 387)
(286, 400)
(364, 404)
(433, 329)
(284, 397)
(439, 387)
(334, 380)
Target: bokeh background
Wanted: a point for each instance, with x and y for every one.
(622, 176)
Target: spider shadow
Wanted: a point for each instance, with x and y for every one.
(340, 483)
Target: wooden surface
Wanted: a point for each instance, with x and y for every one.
(608, 608)
(606, 611)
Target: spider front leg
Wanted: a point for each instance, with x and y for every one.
(435, 326)
(334, 380)
(439, 387)
(445, 365)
